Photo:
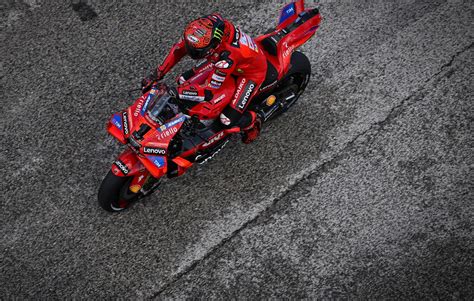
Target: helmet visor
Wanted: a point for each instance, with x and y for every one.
(197, 53)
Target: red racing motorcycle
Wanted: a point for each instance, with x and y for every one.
(162, 140)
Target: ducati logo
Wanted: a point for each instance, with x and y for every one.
(218, 99)
(222, 65)
(214, 139)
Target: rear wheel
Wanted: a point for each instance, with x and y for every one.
(114, 193)
(294, 84)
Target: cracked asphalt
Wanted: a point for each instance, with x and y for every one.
(363, 190)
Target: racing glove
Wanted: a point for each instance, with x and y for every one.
(155, 75)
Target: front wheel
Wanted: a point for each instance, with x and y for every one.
(114, 193)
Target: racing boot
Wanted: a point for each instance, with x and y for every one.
(251, 124)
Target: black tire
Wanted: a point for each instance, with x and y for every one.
(295, 81)
(114, 195)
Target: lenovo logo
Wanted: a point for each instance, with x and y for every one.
(246, 97)
(154, 151)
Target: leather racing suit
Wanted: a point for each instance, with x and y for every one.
(237, 57)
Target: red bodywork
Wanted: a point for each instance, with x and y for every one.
(292, 41)
(151, 157)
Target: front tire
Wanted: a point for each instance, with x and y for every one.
(114, 194)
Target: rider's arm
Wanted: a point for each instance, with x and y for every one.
(223, 69)
(177, 52)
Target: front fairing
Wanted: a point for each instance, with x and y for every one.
(155, 145)
(150, 146)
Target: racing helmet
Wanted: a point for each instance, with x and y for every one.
(203, 34)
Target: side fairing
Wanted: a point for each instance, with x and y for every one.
(154, 146)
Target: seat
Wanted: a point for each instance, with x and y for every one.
(269, 44)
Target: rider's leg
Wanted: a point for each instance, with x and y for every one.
(235, 114)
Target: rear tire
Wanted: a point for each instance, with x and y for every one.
(295, 82)
(114, 194)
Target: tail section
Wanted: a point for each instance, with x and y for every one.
(290, 12)
(296, 26)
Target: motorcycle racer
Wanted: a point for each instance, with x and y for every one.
(231, 54)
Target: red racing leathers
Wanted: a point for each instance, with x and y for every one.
(236, 56)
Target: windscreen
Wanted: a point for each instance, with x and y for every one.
(160, 109)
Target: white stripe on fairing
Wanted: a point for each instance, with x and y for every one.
(190, 97)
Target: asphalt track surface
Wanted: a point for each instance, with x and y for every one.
(363, 190)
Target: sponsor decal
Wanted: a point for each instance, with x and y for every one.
(200, 32)
(218, 78)
(192, 38)
(224, 119)
(175, 121)
(268, 86)
(154, 151)
(235, 41)
(246, 95)
(147, 102)
(215, 84)
(288, 51)
(287, 12)
(222, 64)
(159, 161)
(188, 92)
(122, 166)
(200, 64)
(218, 33)
(243, 39)
(246, 40)
(207, 67)
(239, 89)
(167, 133)
(125, 123)
(214, 139)
(218, 99)
(172, 123)
(139, 106)
(117, 121)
